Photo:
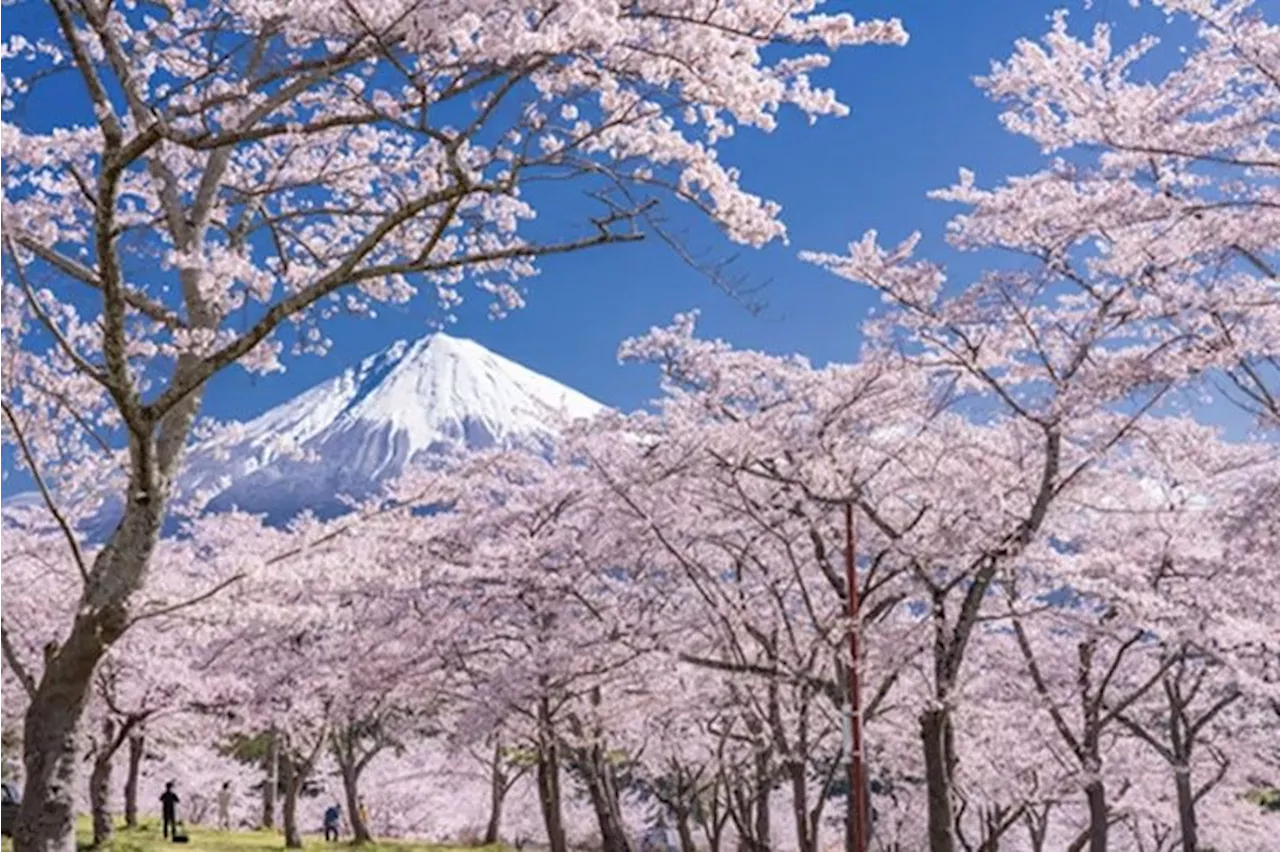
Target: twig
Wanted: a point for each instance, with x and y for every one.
(200, 598)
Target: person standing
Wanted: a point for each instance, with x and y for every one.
(169, 810)
(332, 819)
(224, 806)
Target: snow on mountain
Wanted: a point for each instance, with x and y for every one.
(413, 402)
(347, 436)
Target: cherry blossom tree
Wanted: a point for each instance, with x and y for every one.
(1146, 274)
(556, 620)
(1161, 196)
(923, 482)
(1150, 238)
(131, 692)
(278, 165)
(1066, 586)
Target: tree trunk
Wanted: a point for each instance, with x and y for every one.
(1186, 808)
(293, 780)
(548, 777)
(602, 790)
(712, 817)
(806, 834)
(1037, 823)
(99, 798)
(497, 795)
(935, 735)
(272, 782)
(740, 813)
(53, 736)
(549, 798)
(764, 790)
(137, 749)
(1098, 818)
(351, 785)
(685, 830)
(715, 833)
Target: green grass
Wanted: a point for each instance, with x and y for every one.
(147, 838)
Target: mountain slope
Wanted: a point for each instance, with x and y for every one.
(409, 403)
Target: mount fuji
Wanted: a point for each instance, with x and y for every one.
(414, 402)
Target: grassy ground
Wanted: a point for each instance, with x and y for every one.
(147, 838)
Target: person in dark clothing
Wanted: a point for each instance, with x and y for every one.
(169, 810)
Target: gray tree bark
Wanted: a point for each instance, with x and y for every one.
(53, 736)
(935, 735)
(498, 786)
(100, 786)
(271, 782)
(137, 749)
(1099, 822)
(293, 780)
(351, 787)
(548, 778)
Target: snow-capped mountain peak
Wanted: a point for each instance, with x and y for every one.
(350, 434)
(431, 384)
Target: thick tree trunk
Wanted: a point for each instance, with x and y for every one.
(497, 796)
(99, 799)
(272, 782)
(137, 749)
(548, 778)
(351, 786)
(935, 735)
(53, 736)
(493, 829)
(1099, 823)
(549, 799)
(100, 784)
(1186, 808)
(602, 789)
(293, 780)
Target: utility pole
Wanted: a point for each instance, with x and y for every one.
(856, 834)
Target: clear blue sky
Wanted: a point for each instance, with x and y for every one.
(917, 117)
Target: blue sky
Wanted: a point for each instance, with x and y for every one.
(916, 118)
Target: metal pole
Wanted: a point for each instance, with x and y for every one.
(857, 836)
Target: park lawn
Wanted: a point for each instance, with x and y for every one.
(147, 838)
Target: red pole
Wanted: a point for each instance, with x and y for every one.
(857, 785)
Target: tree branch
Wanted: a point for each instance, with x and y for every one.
(45, 495)
(189, 602)
(20, 671)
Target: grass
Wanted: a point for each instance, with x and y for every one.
(147, 838)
